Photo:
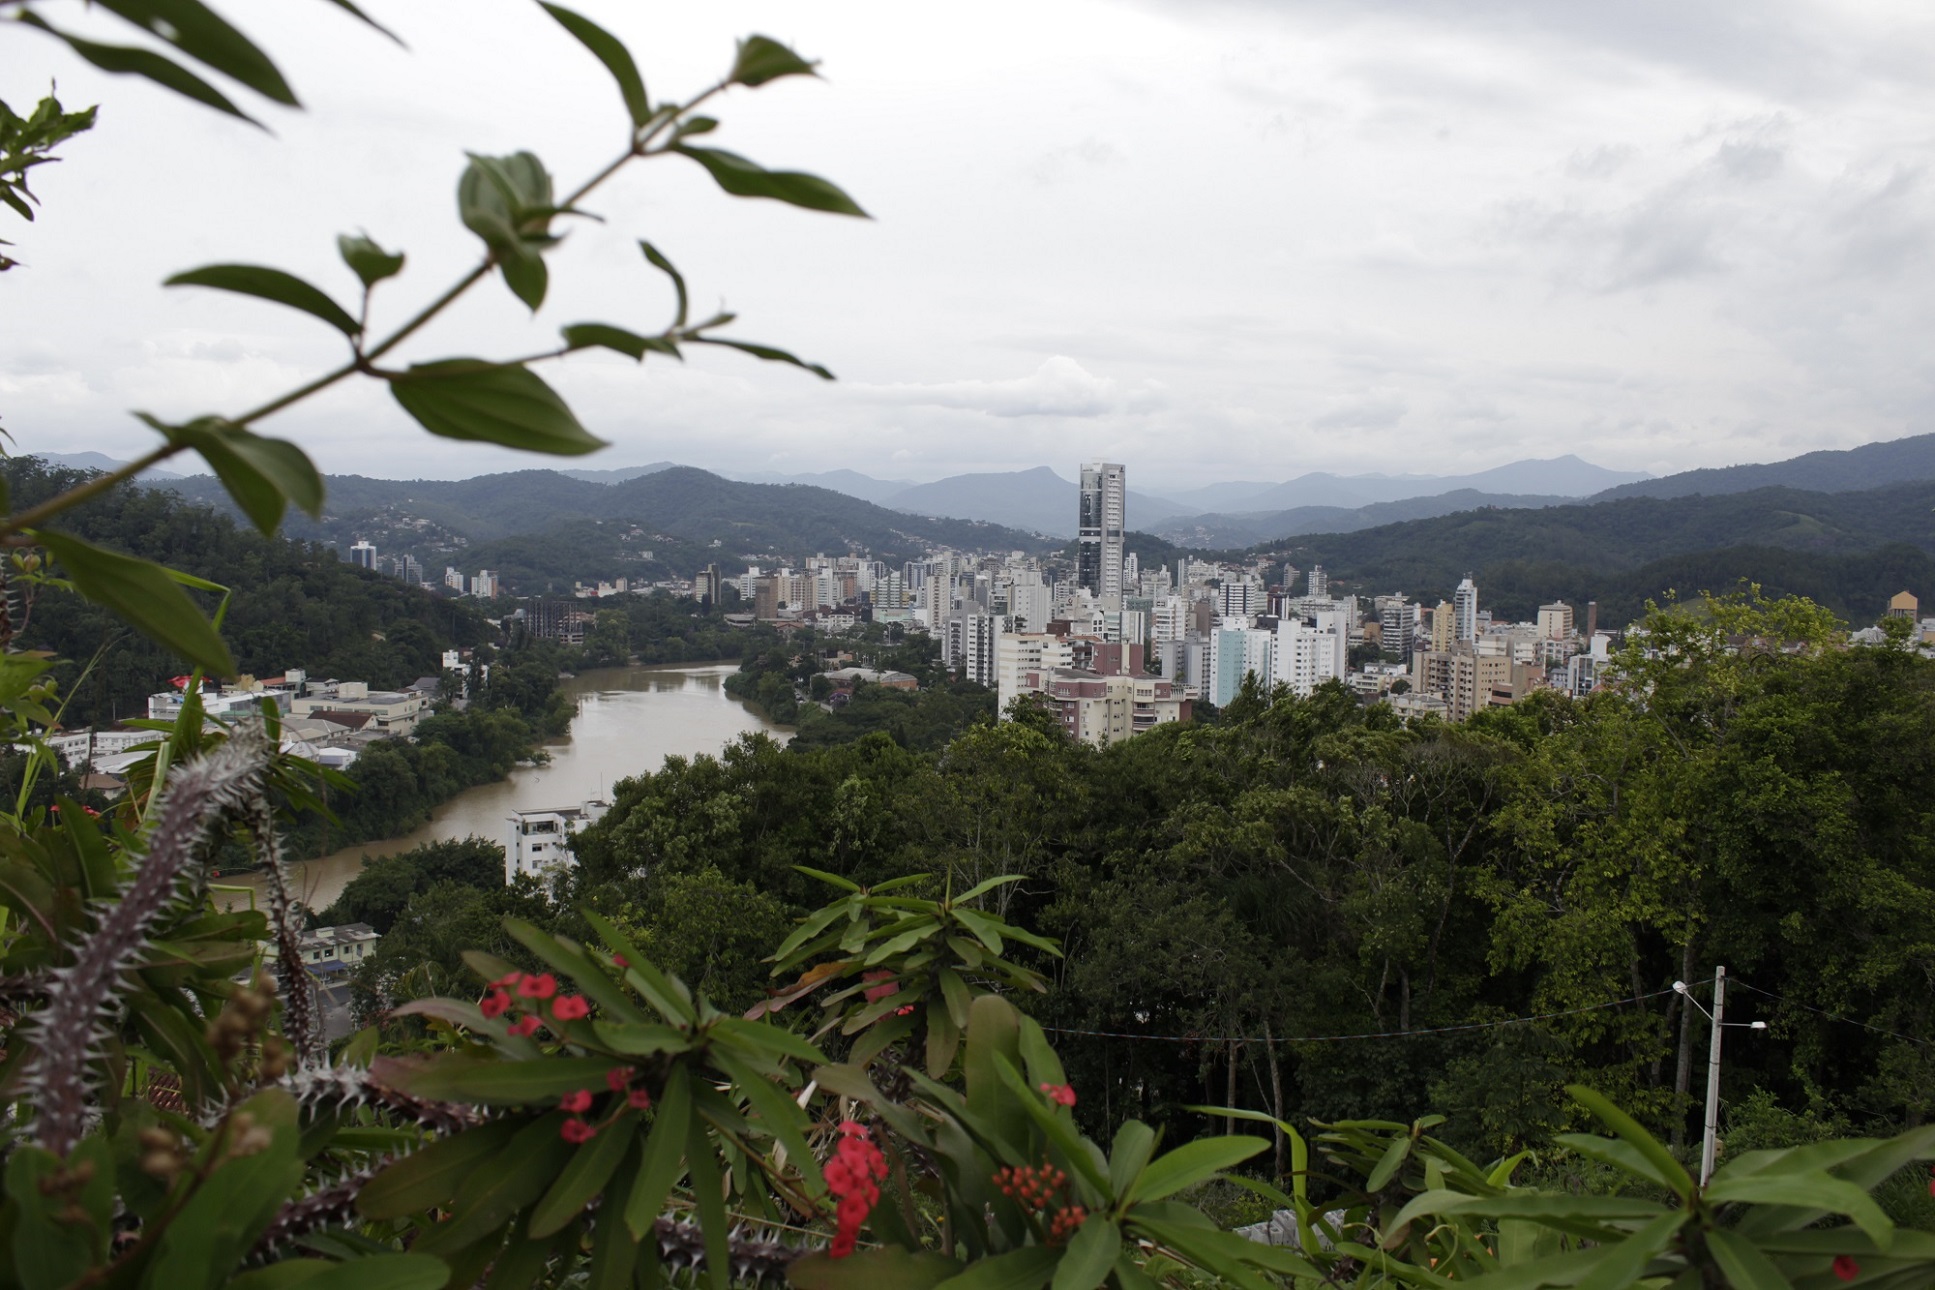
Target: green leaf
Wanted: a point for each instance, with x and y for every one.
(1620, 1265)
(427, 1179)
(670, 1000)
(628, 343)
(635, 1039)
(127, 60)
(212, 1232)
(887, 1268)
(1812, 1189)
(943, 1038)
(499, 1187)
(1028, 1268)
(955, 991)
(779, 1116)
(204, 35)
(767, 1038)
(610, 51)
(467, 398)
(1134, 1142)
(262, 475)
(1091, 1253)
(1191, 1163)
(378, 1272)
(1629, 1130)
(143, 594)
(762, 59)
(709, 1198)
(766, 352)
(663, 1159)
(1059, 1127)
(1043, 1066)
(1393, 1159)
(273, 285)
(46, 1251)
(664, 266)
(743, 178)
(1746, 1267)
(507, 202)
(368, 261)
(614, 1250)
(503, 1083)
(572, 961)
(591, 1167)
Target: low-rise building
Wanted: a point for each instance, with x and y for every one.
(390, 712)
(540, 839)
(1106, 709)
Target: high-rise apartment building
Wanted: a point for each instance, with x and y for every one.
(1555, 621)
(1319, 583)
(1398, 626)
(363, 554)
(1103, 522)
(1464, 611)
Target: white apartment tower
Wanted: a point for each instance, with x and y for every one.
(363, 554)
(1103, 522)
(1464, 611)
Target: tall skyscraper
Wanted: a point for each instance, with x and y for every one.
(364, 554)
(1103, 522)
(1465, 611)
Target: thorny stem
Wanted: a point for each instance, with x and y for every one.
(641, 147)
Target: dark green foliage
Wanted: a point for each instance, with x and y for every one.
(292, 604)
(379, 894)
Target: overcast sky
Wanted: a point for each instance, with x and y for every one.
(1210, 240)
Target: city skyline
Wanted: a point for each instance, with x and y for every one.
(1389, 241)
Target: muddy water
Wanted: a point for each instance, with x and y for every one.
(630, 719)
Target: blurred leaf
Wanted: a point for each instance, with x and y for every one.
(590, 1169)
(664, 266)
(349, 7)
(1620, 1266)
(1091, 1254)
(262, 475)
(501, 1186)
(467, 398)
(204, 35)
(368, 261)
(211, 1233)
(1814, 1188)
(128, 60)
(143, 594)
(273, 285)
(507, 202)
(46, 1251)
(1025, 1269)
(1134, 1142)
(427, 1179)
(1746, 1267)
(605, 336)
(610, 51)
(502, 1083)
(1193, 1162)
(888, 1268)
(378, 1272)
(1629, 1131)
(762, 59)
(663, 1159)
(708, 1197)
(743, 178)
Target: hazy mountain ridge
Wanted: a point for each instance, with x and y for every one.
(1038, 500)
(1224, 531)
(1871, 465)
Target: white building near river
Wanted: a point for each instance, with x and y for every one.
(540, 840)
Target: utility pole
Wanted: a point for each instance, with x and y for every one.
(1713, 1075)
(1711, 1139)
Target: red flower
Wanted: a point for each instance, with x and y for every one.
(1060, 1094)
(495, 1004)
(537, 987)
(853, 1177)
(576, 1130)
(575, 1102)
(620, 961)
(1845, 1267)
(903, 1010)
(875, 993)
(526, 1026)
(508, 980)
(638, 1100)
(569, 1007)
(618, 1077)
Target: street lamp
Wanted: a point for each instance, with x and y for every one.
(1713, 1062)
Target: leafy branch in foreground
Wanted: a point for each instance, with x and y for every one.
(509, 203)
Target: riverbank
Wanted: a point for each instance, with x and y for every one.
(630, 719)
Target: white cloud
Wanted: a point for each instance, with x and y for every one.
(1060, 387)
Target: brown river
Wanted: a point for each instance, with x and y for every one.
(630, 719)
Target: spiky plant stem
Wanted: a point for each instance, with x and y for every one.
(302, 1020)
(66, 1031)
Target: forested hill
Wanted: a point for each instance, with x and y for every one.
(294, 604)
(1872, 465)
(694, 507)
(1835, 547)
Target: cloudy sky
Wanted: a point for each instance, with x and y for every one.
(1214, 240)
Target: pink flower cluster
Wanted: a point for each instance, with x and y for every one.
(539, 987)
(1060, 1094)
(853, 1177)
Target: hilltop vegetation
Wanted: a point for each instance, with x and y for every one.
(533, 519)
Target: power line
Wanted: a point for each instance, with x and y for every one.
(1379, 1034)
(1833, 1016)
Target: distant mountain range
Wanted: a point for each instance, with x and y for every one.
(1872, 465)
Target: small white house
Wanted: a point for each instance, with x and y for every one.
(539, 838)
